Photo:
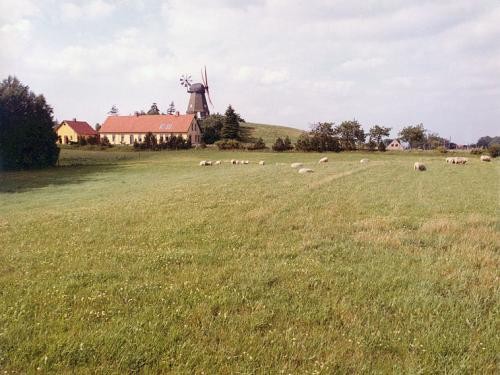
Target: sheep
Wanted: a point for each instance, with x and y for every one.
(323, 160)
(262, 162)
(203, 163)
(305, 170)
(245, 162)
(234, 161)
(218, 162)
(485, 158)
(461, 160)
(208, 162)
(297, 165)
(363, 161)
(419, 166)
(449, 160)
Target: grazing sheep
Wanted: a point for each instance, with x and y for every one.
(245, 162)
(363, 161)
(262, 162)
(419, 166)
(461, 160)
(449, 160)
(234, 161)
(323, 160)
(209, 162)
(485, 158)
(203, 163)
(305, 170)
(297, 165)
(217, 162)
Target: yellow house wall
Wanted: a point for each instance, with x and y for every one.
(65, 131)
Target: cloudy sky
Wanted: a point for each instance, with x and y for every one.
(386, 62)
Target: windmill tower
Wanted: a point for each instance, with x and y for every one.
(197, 101)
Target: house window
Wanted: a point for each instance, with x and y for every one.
(131, 138)
(113, 137)
(122, 138)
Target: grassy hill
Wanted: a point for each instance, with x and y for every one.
(269, 133)
(128, 262)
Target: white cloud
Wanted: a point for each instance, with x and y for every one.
(90, 9)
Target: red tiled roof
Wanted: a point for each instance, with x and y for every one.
(81, 127)
(147, 123)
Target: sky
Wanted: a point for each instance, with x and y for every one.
(286, 62)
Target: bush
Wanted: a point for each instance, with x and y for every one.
(476, 151)
(82, 141)
(93, 140)
(371, 145)
(258, 145)
(494, 150)
(228, 144)
(382, 147)
(441, 150)
(105, 142)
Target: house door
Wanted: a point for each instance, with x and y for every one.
(65, 139)
(131, 139)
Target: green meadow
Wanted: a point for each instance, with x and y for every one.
(119, 262)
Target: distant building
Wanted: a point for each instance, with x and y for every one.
(69, 131)
(126, 130)
(395, 145)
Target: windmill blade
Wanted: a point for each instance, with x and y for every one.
(209, 98)
(203, 79)
(206, 78)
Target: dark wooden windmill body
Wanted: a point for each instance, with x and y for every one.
(198, 99)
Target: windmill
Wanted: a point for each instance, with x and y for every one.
(197, 101)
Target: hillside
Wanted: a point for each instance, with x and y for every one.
(269, 133)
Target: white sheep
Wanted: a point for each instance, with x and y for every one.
(218, 162)
(305, 170)
(364, 161)
(234, 161)
(419, 166)
(203, 163)
(208, 162)
(323, 160)
(245, 162)
(262, 162)
(461, 160)
(485, 158)
(449, 160)
(297, 165)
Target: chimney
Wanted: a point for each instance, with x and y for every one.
(74, 118)
(177, 113)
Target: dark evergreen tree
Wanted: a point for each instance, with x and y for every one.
(154, 110)
(171, 108)
(231, 126)
(27, 137)
(113, 111)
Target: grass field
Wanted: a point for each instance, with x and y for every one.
(145, 262)
(269, 133)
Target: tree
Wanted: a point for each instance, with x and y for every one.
(231, 127)
(150, 141)
(154, 110)
(211, 127)
(377, 133)
(414, 135)
(287, 143)
(350, 134)
(97, 127)
(321, 138)
(27, 137)
(279, 145)
(171, 108)
(113, 111)
(139, 113)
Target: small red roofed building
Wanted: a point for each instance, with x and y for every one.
(70, 131)
(126, 130)
(395, 145)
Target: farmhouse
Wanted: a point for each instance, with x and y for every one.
(395, 145)
(127, 129)
(70, 131)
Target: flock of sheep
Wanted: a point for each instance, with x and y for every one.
(418, 166)
(299, 166)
